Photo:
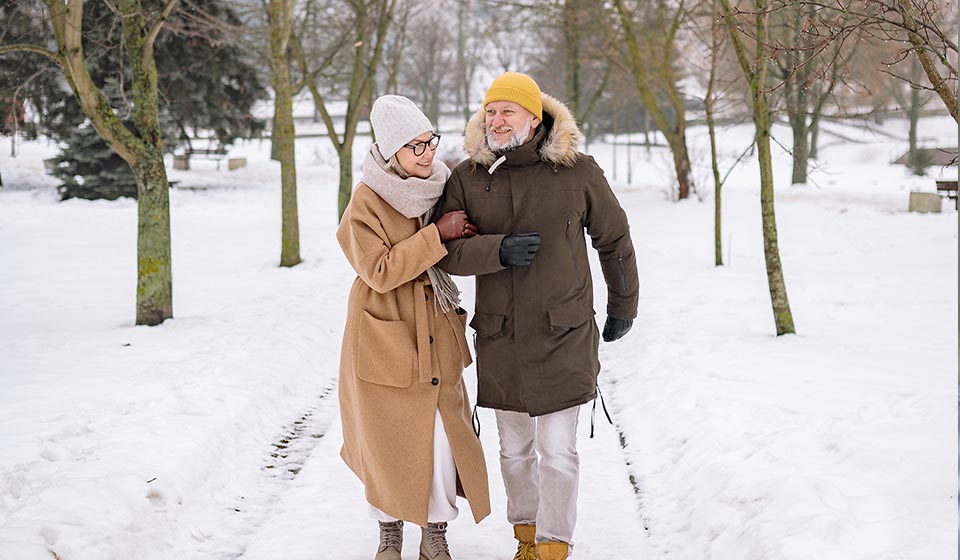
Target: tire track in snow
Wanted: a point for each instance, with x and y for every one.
(281, 465)
(293, 448)
(612, 412)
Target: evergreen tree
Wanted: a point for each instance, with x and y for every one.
(205, 80)
(90, 169)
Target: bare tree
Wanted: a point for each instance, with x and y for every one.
(280, 14)
(912, 98)
(331, 72)
(396, 48)
(933, 46)
(425, 70)
(755, 69)
(807, 46)
(141, 145)
(469, 51)
(709, 104)
(651, 40)
(587, 48)
(923, 28)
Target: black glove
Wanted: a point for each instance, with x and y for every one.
(614, 328)
(519, 249)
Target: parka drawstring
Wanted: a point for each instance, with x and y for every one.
(476, 421)
(593, 412)
(496, 164)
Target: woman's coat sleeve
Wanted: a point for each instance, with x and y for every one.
(381, 266)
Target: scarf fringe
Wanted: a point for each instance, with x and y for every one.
(446, 294)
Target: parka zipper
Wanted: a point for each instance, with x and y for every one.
(623, 276)
(573, 260)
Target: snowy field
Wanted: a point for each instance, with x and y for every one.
(215, 435)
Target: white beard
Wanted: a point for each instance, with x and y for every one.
(517, 139)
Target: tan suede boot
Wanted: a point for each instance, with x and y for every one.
(527, 549)
(433, 542)
(391, 540)
(552, 551)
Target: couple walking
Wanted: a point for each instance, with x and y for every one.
(513, 216)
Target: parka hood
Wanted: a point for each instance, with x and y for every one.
(558, 148)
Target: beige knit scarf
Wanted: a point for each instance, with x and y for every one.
(414, 198)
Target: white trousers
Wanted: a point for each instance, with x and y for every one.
(541, 471)
(443, 486)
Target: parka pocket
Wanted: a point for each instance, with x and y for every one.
(574, 230)
(386, 352)
(569, 315)
(488, 325)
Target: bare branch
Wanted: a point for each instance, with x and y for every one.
(5, 49)
(155, 30)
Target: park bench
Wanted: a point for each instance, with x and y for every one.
(182, 161)
(948, 189)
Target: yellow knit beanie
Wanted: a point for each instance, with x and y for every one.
(518, 88)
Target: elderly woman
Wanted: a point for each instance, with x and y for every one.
(407, 432)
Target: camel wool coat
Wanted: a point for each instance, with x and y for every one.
(402, 358)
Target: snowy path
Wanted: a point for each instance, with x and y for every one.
(322, 513)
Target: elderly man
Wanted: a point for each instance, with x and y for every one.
(532, 195)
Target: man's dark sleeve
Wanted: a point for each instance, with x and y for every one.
(606, 223)
(469, 256)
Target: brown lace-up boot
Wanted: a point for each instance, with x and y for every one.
(433, 542)
(527, 549)
(552, 551)
(391, 540)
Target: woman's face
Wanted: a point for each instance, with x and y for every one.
(414, 165)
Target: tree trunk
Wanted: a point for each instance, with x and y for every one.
(814, 135)
(681, 161)
(915, 160)
(571, 41)
(463, 82)
(274, 152)
(708, 104)
(796, 81)
(801, 148)
(675, 134)
(281, 25)
(755, 72)
(346, 179)
(154, 277)
(771, 251)
(717, 186)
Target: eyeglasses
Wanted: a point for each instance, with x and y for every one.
(420, 147)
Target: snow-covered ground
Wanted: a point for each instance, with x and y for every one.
(216, 435)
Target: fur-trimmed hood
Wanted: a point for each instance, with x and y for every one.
(558, 148)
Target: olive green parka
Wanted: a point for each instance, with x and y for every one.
(537, 341)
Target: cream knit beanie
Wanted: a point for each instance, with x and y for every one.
(396, 121)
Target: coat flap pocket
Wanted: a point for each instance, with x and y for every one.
(570, 315)
(487, 324)
(386, 352)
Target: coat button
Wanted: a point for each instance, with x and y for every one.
(435, 381)
(431, 340)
